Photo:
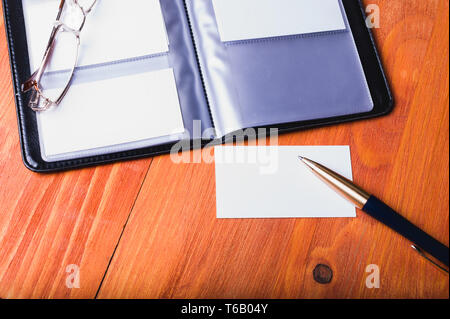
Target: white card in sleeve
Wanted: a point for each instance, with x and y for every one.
(112, 112)
(254, 19)
(114, 30)
(271, 182)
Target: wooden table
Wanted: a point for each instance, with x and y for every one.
(147, 228)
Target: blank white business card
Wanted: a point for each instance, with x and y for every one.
(114, 30)
(112, 112)
(271, 182)
(254, 19)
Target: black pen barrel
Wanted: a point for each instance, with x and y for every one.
(383, 213)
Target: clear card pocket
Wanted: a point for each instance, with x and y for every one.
(280, 61)
(115, 30)
(106, 115)
(239, 20)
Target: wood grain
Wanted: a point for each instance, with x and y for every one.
(172, 246)
(48, 222)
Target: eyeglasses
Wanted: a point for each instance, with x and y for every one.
(51, 81)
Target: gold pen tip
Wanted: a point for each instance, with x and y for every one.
(301, 158)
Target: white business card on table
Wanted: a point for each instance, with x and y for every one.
(254, 19)
(111, 112)
(115, 30)
(271, 182)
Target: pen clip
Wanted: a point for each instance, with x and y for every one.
(421, 253)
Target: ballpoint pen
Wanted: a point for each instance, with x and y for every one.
(422, 242)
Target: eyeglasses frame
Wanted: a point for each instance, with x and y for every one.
(33, 83)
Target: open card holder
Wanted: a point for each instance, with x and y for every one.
(155, 73)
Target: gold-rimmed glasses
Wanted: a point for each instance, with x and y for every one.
(60, 57)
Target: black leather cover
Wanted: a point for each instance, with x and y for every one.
(15, 31)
